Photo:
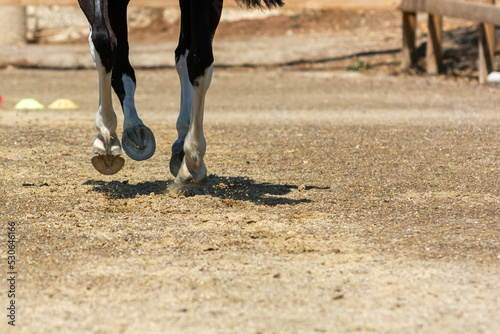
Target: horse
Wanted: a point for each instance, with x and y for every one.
(194, 59)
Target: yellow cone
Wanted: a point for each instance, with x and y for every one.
(29, 104)
(63, 104)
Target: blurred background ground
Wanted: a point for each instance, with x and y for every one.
(314, 39)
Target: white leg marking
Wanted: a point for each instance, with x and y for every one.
(107, 157)
(138, 140)
(105, 119)
(129, 112)
(183, 120)
(192, 168)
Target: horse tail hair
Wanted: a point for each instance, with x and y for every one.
(261, 3)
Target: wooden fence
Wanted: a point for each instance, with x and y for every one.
(488, 15)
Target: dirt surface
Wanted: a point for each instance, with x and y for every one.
(361, 201)
(337, 202)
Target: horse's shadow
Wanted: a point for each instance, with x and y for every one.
(227, 188)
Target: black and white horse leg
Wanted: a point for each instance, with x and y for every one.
(195, 67)
(107, 155)
(138, 140)
(183, 120)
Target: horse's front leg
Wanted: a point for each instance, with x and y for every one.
(192, 168)
(107, 155)
(186, 163)
(199, 20)
(138, 140)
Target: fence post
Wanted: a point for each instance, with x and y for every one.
(12, 25)
(409, 55)
(486, 49)
(434, 55)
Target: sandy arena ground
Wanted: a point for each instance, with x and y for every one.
(337, 202)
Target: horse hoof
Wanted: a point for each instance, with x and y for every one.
(177, 156)
(186, 176)
(190, 179)
(107, 164)
(138, 142)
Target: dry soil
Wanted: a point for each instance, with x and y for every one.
(337, 202)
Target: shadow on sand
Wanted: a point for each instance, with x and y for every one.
(233, 188)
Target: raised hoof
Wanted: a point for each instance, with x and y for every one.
(177, 156)
(138, 142)
(107, 164)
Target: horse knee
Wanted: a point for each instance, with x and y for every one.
(198, 62)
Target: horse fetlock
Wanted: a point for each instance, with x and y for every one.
(192, 169)
(107, 157)
(191, 172)
(111, 145)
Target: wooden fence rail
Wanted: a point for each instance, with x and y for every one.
(488, 15)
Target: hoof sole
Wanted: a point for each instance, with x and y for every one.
(107, 164)
(139, 142)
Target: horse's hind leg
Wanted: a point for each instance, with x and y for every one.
(138, 140)
(194, 62)
(185, 110)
